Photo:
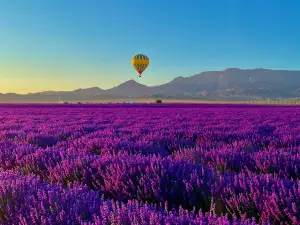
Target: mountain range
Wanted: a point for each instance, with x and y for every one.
(229, 84)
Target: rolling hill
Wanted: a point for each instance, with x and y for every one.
(229, 84)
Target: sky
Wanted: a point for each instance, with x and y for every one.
(70, 44)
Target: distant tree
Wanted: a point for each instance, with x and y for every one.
(158, 101)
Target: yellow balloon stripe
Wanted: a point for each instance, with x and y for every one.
(136, 67)
(144, 66)
(141, 67)
(140, 61)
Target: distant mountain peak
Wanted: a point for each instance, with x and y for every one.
(238, 70)
(86, 89)
(232, 70)
(130, 88)
(260, 69)
(93, 91)
(178, 79)
(131, 83)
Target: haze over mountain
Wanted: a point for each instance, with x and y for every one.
(229, 84)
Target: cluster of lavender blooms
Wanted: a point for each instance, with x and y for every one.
(28, 200)
(236, 164)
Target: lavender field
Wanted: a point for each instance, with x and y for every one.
(149, 164)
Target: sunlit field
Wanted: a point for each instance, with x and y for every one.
(149, 164)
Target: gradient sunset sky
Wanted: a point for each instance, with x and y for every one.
(70, 44)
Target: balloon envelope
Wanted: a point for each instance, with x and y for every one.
(140, 62)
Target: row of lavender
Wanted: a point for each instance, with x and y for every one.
(108, 150)
(28, 200)
(262, 140)
(158, 180)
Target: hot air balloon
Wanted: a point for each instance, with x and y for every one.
(140, 62)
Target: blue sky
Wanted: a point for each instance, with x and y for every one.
(64, 44)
